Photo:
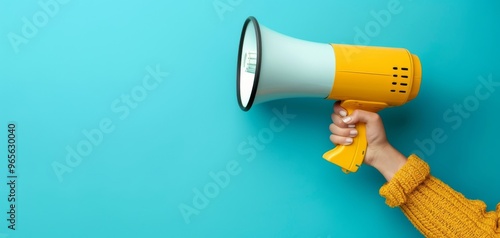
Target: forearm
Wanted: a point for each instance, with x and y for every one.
(388, 161)
(436, 209)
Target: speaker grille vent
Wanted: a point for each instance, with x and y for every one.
(401, 75)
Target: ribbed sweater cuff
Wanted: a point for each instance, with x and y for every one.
(406, 179)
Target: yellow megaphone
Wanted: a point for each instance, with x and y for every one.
(274, 66)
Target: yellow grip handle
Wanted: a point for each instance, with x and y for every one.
(350, 157)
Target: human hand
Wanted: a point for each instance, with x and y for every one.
(380, 153)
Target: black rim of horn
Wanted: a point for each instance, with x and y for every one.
(257, 69)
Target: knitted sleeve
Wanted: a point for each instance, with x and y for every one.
(434, 208)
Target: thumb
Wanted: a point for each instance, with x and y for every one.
(375, 132)
(362, 116)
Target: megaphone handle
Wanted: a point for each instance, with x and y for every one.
(350, 157)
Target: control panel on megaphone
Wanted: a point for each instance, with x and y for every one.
(275, 66)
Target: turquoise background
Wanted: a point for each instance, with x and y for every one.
(85, 55)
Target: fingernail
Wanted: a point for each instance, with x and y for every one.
(346, 119)
(343, 113)
(348, 141)
(351, 126)
(353, 132)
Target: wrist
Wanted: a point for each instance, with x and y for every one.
(388, 161)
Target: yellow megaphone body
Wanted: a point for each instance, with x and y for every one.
(274, 66)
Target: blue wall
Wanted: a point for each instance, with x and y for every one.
(126, 114)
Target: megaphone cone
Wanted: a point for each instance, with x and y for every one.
(273, 66)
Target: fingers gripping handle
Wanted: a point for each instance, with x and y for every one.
(350, 157)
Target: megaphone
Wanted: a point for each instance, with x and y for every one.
(275, 66)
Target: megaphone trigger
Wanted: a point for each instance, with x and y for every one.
(350, 157)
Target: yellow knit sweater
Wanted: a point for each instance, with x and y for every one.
(434, 208)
